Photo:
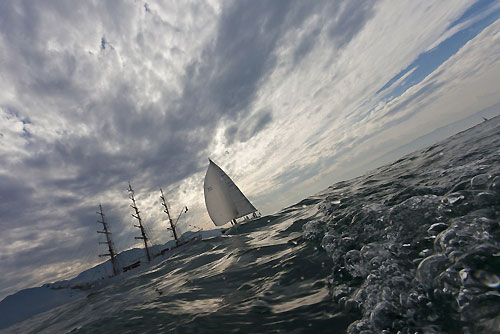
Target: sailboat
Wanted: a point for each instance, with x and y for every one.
(224, 200)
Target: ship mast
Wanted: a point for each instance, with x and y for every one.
(172, 225)
(138, 217)
(108, 242)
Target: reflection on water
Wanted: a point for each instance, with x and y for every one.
(412, 247)
(261, 276)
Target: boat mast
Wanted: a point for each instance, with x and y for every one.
(108, 242)
(138, 217)
(172, 225)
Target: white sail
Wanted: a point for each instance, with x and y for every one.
(224, 200)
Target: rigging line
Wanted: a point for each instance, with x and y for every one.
(97, 261)
(154, 239)
(154, 234)
(150, 240)
(156, 248)
(151, 245)
(158, 238)
(90, 257)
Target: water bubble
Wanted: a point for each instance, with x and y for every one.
(431, 267)
(464, 274)
(491, 280)
(313, 229)
(495, 185)
(352, 261)
(436, 228)
(425, 253)
(350, 305)
(381, 317)
(474, 306)
(455, 255)
(485, 198)
(340, 291)
(479, 181)
(454, 198)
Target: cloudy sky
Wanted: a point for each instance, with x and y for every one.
(287, 96)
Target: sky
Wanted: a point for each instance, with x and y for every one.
(288, 97)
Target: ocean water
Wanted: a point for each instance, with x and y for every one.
(411, 247)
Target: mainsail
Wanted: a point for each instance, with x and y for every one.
(224, 200)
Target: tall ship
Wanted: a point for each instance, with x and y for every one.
(224, 200)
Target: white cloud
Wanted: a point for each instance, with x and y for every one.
(315, 104)
(462, 86)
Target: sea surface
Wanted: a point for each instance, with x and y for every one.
(411, 247)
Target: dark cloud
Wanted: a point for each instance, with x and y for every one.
(251, 126)
(108, 114)
(306, 45)
(15, 196)
(341, 19)
(349, 17)
(224, 83)
(243, 53)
